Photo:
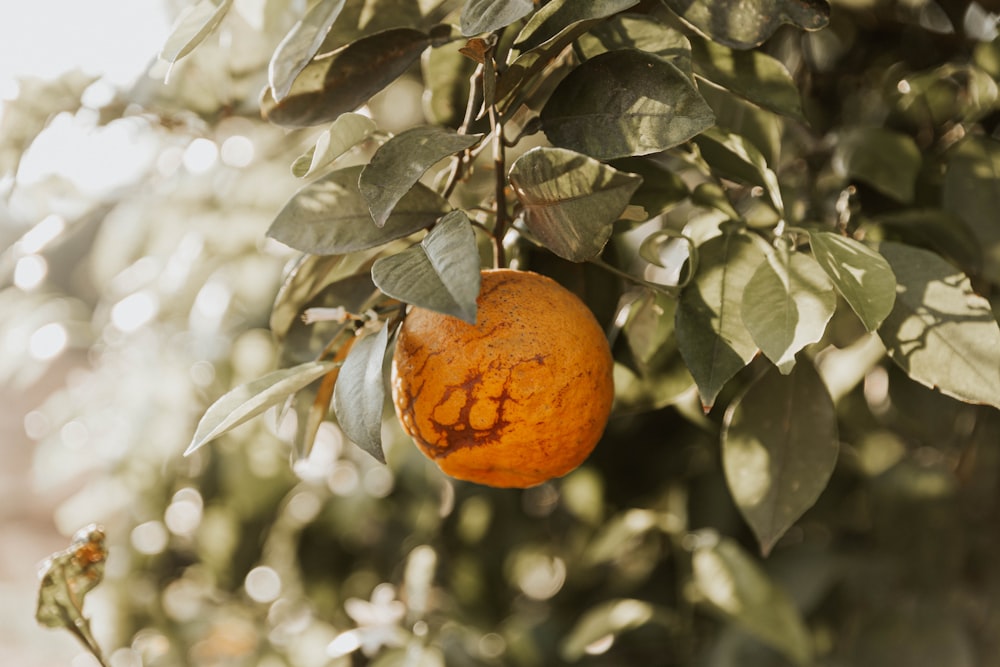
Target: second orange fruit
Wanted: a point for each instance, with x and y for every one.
(521, 397)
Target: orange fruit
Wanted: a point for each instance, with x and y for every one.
(521, 397)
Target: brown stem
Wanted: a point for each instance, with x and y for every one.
(499, 164)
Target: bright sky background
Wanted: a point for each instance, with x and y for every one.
(48, 37)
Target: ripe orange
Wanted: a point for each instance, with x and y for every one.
(521, 397)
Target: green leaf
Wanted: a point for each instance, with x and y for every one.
(779, 448)
(624, 103)
(861, 275)
(480, 16)
(607, 620)
(735, 157)
(530, 65)
(940, 332)
(753, 75)
(193, 25)
(711, 335)
(557, 15)
(735, 587)
(245, 402)
(359, 395)
(330, 217)
(660, 188)
(972, 191)
(446, 74)
(66, 578)
(441, 273)
(944, 231)
(340, 81)
(570, 201)
(743, 24)
(884, 159)
(343, 134)
(300, 45)
(786, 305)
(400, 162)
(639, 32)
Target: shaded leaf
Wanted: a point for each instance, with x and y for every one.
(735, 587)
(329, 216)
(193, 25)
(786, 305)
(944, 231)
(441, 273)
(660, 187)
(884, 159)
(779, 448)
(570, 200)
(400, 162)
(624, 103)
(446, 75)
(753, 75)
(359, 395)
(972, 191)
(940, 332)
(343, 134)
(603, 622)
(300, 45)
(735, 157)
(555, 16)
(253, 398)
(743, 24)
(527, 67)
(480, 16)
(342, 80)
(711, 335)
(861, 275)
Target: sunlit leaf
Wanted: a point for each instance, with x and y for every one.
(400, 162)
(734, 157)
(251, 399)
(753, 75)
(599, 625)
(940, 332)
(888, 161)
(742, 24)
(861, 275)
(441, 273)
(341, 81)
(972, 191)
(570, 200)
(193, 25)
(555, 16)
(642, 33)
(66, 578)
(779, 448)
(300, 45)
(711, 335)
(735, 587)
(329, 216)
(344, 133)
(480, 16)
(359, 395)
(624, 103)
(786, 305)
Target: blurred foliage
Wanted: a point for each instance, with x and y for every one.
(154, 296)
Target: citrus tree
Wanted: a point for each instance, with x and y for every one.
(781, 216)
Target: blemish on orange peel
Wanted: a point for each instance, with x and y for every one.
(520, 398)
